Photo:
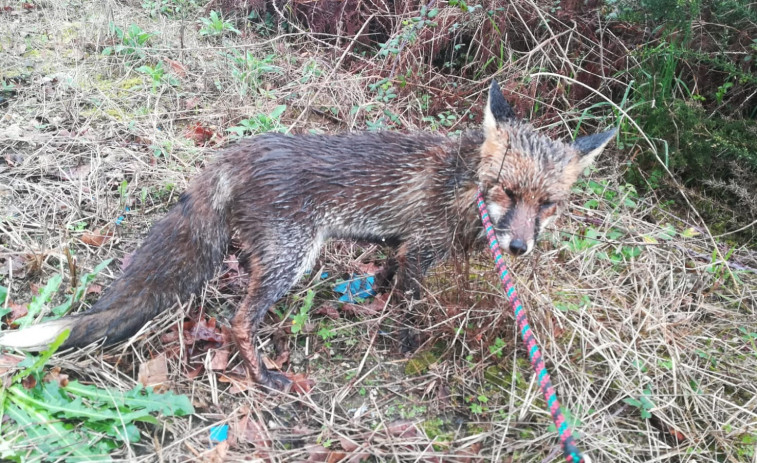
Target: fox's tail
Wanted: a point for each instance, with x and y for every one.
(180, 253)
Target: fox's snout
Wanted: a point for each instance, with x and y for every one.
(516, 246)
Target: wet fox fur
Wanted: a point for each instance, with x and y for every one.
(278, 198)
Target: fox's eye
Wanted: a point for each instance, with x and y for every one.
(510, 194)
(546, 205)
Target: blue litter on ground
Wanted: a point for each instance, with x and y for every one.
(120, 218)
(358, 286)
(219, 433)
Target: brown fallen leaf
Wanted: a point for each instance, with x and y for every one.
(317, 453)
(220, 360)
(192, 102)
(328, 310)
(402, 428)
(278, 362)
(8, 362)
(469, 454)
(94, 289)
(368, 268)
(154, 372)
(205, 331)
(12, 263)
(217, 454)
(177, 68)
(29, 382)
(257, 434)
(301, 384)
(198, 134)
(17, 311)
(55, 375)
(195, 372)
(96, 238)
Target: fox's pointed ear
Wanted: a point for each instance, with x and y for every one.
(590, 146)
(497, 111)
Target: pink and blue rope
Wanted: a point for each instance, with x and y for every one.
(570, 450)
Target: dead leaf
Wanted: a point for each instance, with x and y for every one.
(195, 372)
(220, 360)
(278, 362)
(94, 289)
(257, 434)
(281, 359)
(96, 238)
(13, 263)
(8, 362)
(402, 428)
(469, 454)
(368, 268)
(348, 444)
(154, 372)
(75, 173)
(198, 134)
(317, 453)
(191, 103)
(217, 454)
(55, 375)
(205, 331)
(177, 68)
(17, 311)
(328, 310)
(301, 384)
(29, 382)
(361, 309)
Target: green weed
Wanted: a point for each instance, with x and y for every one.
(216, 26)
(52, 419)
(158, 75)
(39, 302)
(248, 70)
(133, 41)
(170, 8)
(260, 123)
(644, 403)
(300, 318)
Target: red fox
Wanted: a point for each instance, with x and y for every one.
(279, 198)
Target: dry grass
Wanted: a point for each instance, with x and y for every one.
(669, 323)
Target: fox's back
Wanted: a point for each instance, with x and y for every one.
(370, 185)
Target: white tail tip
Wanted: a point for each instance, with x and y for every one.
(34, 338)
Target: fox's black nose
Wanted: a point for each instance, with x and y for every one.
(518, 247)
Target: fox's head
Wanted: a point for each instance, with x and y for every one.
(527, 176)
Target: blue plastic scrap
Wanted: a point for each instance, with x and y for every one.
(219, 433)
(358, 286)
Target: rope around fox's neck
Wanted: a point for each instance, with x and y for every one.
(569, 448)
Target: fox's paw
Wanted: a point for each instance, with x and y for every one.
(275, 380)
(409, 340)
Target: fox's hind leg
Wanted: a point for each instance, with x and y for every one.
(273, 271)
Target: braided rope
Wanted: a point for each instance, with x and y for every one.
(570, 450)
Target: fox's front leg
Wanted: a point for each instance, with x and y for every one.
(414, 258)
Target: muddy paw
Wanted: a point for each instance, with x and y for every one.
(409, 340)
(275, 380)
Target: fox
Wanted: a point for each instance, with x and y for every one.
(278, 198)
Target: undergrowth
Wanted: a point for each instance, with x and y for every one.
(646, 319)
